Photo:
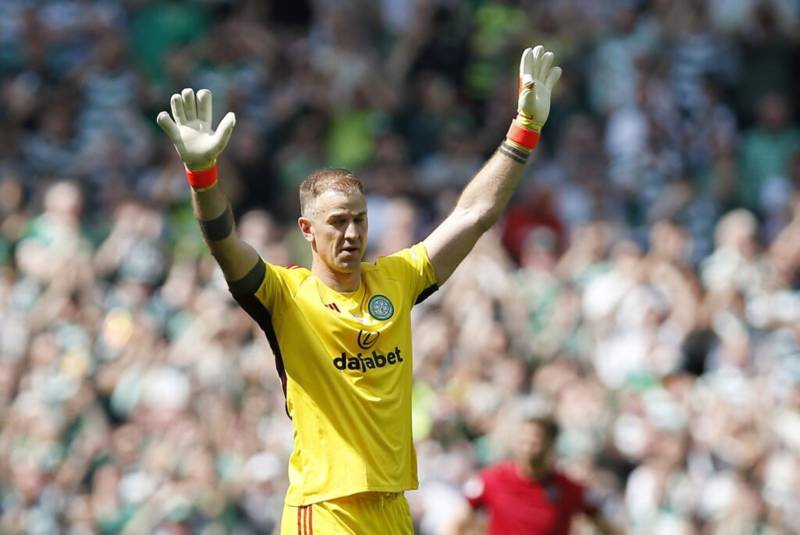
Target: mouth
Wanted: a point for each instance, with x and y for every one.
(351, 250)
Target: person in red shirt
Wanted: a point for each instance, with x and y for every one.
(527, 495)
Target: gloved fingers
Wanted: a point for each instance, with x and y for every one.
(169, 127)
(224, 130)
(544, 67)
(536, 60)
(526, 69)
(176, 103)
(552, 78)
(189, 105)
(204, 107)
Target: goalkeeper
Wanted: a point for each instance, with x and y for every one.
(341, 331)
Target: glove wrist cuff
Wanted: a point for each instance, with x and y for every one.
(529, 122)
(202, 179)
(522, 135)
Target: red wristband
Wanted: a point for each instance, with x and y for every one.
(202, 179)
(523, 136)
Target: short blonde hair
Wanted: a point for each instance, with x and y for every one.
(327, 179)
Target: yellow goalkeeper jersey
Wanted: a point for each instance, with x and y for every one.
(345, 361)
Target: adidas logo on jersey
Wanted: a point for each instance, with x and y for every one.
(360, 362)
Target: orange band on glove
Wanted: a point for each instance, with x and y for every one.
(202, 179)
(523, 136)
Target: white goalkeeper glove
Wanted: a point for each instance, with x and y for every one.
(197, 143)
(537, 78)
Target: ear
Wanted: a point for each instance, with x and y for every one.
(305, 226)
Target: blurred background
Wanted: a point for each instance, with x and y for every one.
(645, 282)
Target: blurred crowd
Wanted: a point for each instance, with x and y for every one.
(645, 283)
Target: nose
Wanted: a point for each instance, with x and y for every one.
(351, 232)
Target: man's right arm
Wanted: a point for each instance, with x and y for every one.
(199, 146)
(213, 212)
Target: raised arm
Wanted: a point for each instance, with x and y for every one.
(485, 197)
(199, 146)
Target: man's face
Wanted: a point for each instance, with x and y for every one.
(533, 446)
(336, 227)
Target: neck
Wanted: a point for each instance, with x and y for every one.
(534, 470)
(336, 280)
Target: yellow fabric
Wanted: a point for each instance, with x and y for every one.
(348, 375)
(364, 514)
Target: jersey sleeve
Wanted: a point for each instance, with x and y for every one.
(413, 267)
(260, 283)
(259, 293)
(263, 288)
(577, 498)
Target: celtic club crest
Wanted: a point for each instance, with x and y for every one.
(380, 307)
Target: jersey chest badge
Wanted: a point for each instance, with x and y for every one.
(380, 307)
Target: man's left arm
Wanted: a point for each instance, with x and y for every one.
(486, 196)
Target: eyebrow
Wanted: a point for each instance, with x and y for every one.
(362, 213)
